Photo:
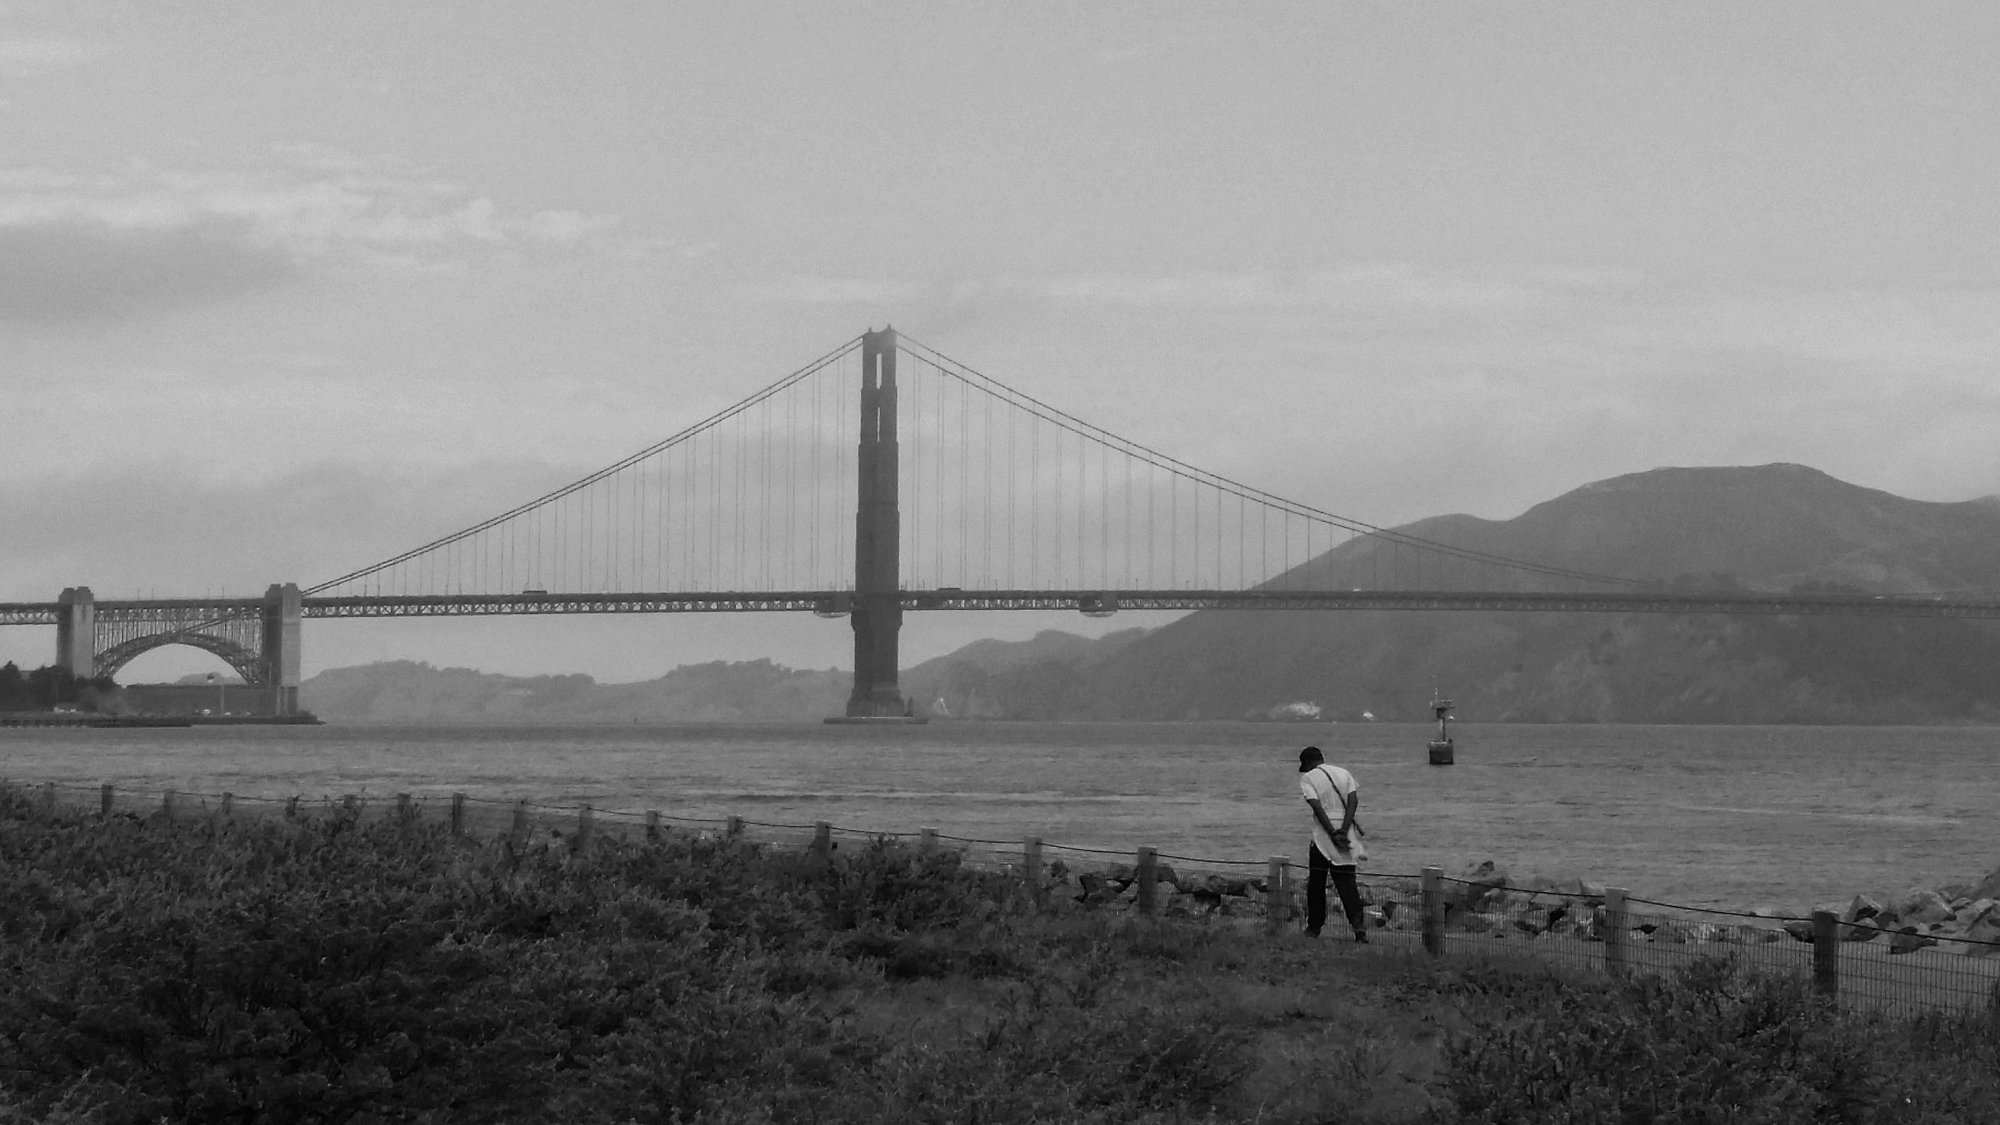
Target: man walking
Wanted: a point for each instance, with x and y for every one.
(1332, 792)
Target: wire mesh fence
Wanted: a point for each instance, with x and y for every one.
(1868, 957)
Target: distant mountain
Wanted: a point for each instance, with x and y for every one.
(1043, 678)
(1772, 527)
(404, 691)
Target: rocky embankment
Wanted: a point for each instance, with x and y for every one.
(1485, 899)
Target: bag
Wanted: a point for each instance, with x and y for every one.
(1355, 849)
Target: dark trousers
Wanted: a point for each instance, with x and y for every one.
(1343, 882)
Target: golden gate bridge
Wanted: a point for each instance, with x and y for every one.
(946, 490)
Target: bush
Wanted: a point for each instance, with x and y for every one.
(339, 970)
(1715, 1045)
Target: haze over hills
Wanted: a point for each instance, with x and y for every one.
(406, 691)
(1771, 527)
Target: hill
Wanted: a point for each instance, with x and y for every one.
(405, 691)
(1772, 527)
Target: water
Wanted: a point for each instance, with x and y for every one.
(1718, 816)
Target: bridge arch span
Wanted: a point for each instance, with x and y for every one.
(235, 655)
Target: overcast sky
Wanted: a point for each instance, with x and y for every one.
(288, 288)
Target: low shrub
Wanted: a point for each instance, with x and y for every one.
(1713, 1044)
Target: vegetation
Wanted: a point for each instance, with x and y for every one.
(43, 688)
(347, 970)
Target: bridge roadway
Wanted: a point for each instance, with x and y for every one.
(1093, 602)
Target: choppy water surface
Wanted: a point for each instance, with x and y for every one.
(1733, 816)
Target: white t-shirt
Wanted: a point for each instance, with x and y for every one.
(1330, 786)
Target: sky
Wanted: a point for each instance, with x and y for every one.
(288, 288)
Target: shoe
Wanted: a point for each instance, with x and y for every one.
(1361, 937)
(1312, 933)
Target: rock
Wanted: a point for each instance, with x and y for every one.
(1528, 925)
(1908, 940)
(1986, 929)
(1477, 923)
(1921, 907)
(1477, 884)
(1685, 933)
(1973, 911)
(1800, 928)
(1590, 890)
(1164, 875)
(1374, 918)
(1223, 885)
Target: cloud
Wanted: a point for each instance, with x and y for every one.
(33, 56)
(204, 234)
(1361, 285)
(831, 291)
(79, 269)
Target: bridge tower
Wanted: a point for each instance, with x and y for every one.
(278, 656)
(76, 632)
(877, 609)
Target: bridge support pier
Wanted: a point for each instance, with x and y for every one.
(76, 632)
(877, 615)
(278, 660)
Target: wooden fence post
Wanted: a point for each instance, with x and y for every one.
(1617, 933)
(1031, 869)
(586, 824)
(48, 796)
(458, 814)
(1277, 896)
(104, 802)
(292, 807)
(652, 824)
(822, 844)
(1826, 952)
(1433, 911)
(1149, 880)
(167, 806)
(350, 805)
(521, 818)
(228, 805)
(404, 811)
(927, 840)
(733, 827)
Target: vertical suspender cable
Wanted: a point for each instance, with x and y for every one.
(1105, 517)
(986, 534)
(764, 497)
(1034, 501)
(938, 391)
(964, 473)
(1012, 416)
